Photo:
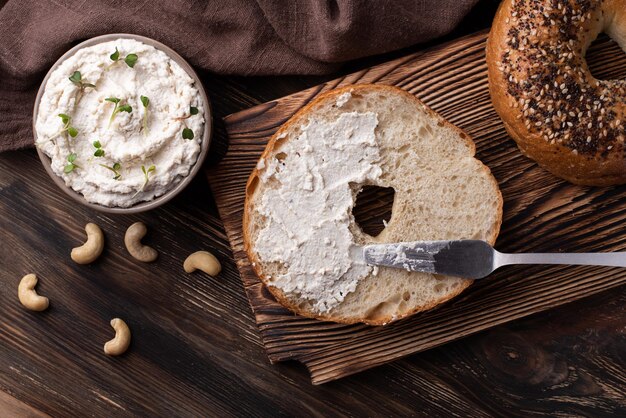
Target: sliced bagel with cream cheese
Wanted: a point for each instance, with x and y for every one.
(299, 231)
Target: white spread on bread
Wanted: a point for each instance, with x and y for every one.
(146, 136)
(343, 99)
(310, 210)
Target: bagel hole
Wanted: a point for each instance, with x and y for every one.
(605, 59)
(373, 208)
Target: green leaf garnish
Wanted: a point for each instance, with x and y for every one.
(70, 166)
(145, 102)
(117, 108)
(192, 112)
(130, 60)
(77, 79)
(115, 169)
(116, 55)
(99, 151)
(66, 126)
(146, 174)
(187, 133)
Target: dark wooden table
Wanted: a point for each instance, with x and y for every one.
(196, 350)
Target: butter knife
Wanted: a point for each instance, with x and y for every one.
(472, 259)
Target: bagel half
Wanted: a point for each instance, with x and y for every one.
(560, 115)
(441, 193)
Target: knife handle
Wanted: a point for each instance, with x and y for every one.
(580, 259)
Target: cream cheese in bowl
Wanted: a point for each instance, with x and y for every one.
(121, 121)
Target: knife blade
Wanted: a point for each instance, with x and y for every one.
(472, 259)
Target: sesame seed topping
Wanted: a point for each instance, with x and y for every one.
(545, 75)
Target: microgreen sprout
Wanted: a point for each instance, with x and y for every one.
(66, 126)
(77, 79)
(115, 169)
(130, 59)
(117, 108)
(70, 164)
(192, 112)
(188, 133)
(99, 151)
(146, 175)
(145, 102)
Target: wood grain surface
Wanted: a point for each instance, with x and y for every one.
(196, 350)
(542, 214)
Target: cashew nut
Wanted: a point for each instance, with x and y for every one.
(132, 240)
(28, 295)
(92, 248)
(202, 260)
(121, 341)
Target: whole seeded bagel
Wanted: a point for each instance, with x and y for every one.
(559, 114)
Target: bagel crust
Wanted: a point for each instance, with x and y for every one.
(570, 123)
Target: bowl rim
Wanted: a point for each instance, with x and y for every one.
(204, 145)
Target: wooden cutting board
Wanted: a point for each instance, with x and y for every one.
(541, 214)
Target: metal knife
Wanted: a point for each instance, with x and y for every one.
(472, 259)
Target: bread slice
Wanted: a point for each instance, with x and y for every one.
(441, 193)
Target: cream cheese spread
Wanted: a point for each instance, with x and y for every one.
(309, 205)
(147, 138)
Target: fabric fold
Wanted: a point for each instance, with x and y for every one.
(242, 37)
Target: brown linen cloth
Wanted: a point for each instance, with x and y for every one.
(247, 37)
